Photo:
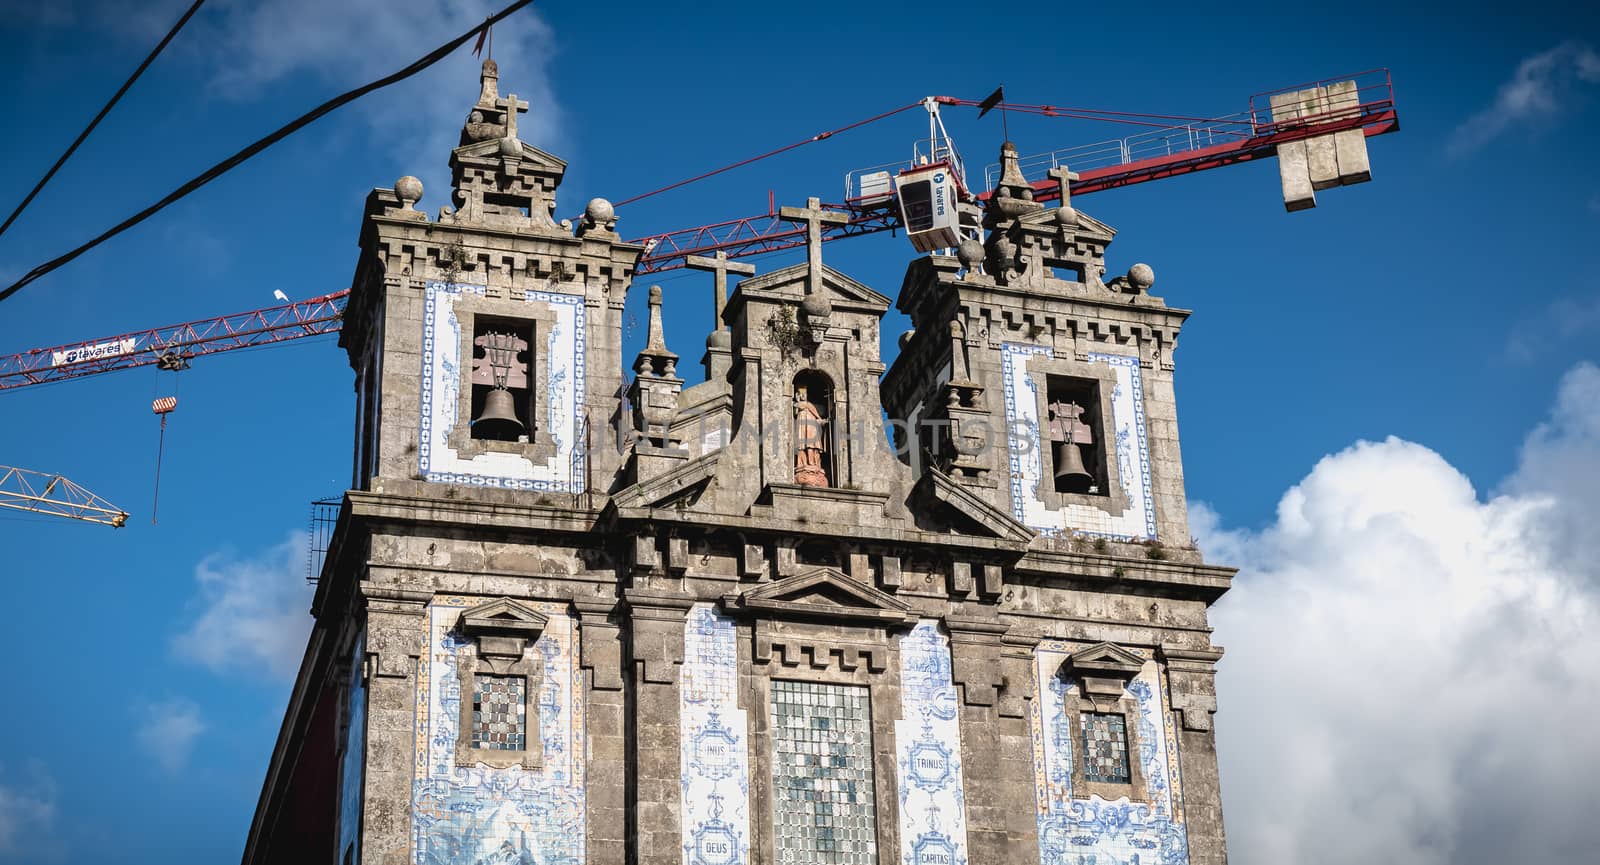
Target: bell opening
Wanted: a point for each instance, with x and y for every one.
(502, 364)
(1075, 434)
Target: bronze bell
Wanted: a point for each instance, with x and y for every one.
(498, 420)
(1070, 472)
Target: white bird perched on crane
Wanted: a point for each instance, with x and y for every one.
(278, 293)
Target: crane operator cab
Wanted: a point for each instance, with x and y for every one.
(929, 197)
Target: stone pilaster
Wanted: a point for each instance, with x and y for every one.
(396, 637)
(1191, 676)
(654, 806)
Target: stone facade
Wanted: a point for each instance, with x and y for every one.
(809, 610)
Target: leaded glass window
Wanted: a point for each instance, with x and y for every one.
(1105, 747)
(499, 712)
(823, 808)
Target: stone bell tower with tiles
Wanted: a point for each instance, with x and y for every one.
(578, 611)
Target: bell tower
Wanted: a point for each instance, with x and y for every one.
(577, 615)
(1035, 383)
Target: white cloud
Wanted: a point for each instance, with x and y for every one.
(348, 43)
(1413, 673)
(168, 731)
(1541, 87)
(253, 611)
(27, 810)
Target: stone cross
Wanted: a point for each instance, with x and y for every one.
(814, 218)
(1063, 177)
(511, 105)
(721, 266)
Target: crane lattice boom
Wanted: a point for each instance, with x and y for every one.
(42, 493)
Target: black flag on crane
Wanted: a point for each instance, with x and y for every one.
(990, 101)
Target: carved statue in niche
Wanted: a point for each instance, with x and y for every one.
(811, 442)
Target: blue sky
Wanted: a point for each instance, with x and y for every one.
(1442, 304)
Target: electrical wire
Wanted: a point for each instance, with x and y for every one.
(820, 136)
(233, 161)
(101, 116)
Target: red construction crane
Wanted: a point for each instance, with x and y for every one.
(1172, 145)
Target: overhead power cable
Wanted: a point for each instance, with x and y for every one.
(233, 161)
(820, 136)
(101, 116)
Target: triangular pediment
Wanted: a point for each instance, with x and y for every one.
(826, 593)
(1086, 224)
(1106, 659)
(503, 617)
(788, 283)
(966, 509)
(490, 149)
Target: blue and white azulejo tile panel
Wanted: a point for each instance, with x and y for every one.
(563, 398)
(479, 814)
(1028, 451)
(1075, 830)
(933, 807)
(714, 739)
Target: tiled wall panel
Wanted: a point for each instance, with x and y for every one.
(466, 814)
(1076, 830)
(564, 348)
(933, 816)
(715, 744)
(1029, 454)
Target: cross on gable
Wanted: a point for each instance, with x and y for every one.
(512, 106)
(814, 218)
(1063, 176)
(721, 267)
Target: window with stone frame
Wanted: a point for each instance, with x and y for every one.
(500, 673)
(824, 808)
(1103, 717)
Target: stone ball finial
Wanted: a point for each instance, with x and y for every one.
(1141, 277)
(510, 146)
(491, 68)
(409, 190)
(816, 306)
(719, 339)
(599, 211)
(655, 295)
(1067, 215)
(970, 253)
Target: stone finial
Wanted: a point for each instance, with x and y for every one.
(409, 190)
(971, 254)
(1013, 194)
(489, 84)
(598, 216)
(654, 359)
(1138, 281)
(1141, 276)
(656, 339)
(958, 350)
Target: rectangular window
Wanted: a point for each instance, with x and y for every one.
(1105, 748)
(823, 807)
(499, 720)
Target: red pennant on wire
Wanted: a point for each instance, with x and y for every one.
(477, 49)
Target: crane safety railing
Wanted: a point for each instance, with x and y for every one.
(1370, 105)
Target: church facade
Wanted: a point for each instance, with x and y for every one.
(811, 610)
